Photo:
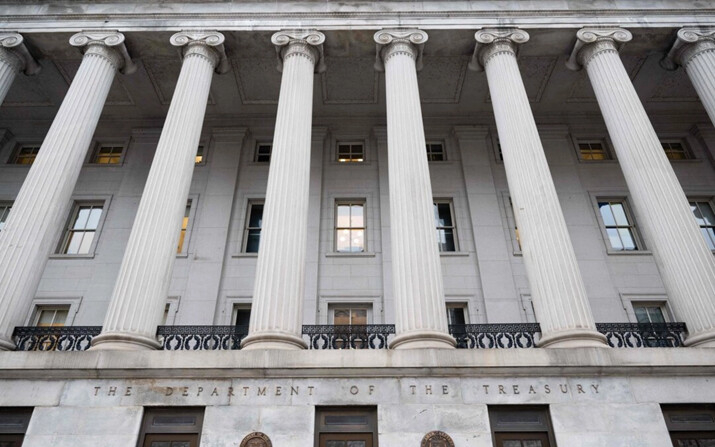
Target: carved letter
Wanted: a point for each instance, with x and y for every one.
(261, 391)
(413, 388)
(294, 390)
(128, 391)
(564, 388)
(501, 389)
(200, 390)
(230, 391)
(532, 390)
(169, 391)
(371, 389)
(354, 390)
(547, 389)
(278, 391)
(310, 390)
(96, 389)
(516, 389)
(245, 390)
(185, 392)
(486, 389)
(428, 389)
(580, 389)
(214, 392)
(445, 389)
(112, 391)
(595, 388)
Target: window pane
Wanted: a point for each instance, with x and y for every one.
(253, 240)
(455, 315)
(75, 239)
(512, 443)
(705, 215)
(356, 216)
(357, 241)
(341, 316)
(532, 443)
(709, 234)
(641, 314)
(446, 240)
(627, 239)
(80, 222)
(93, 221)
(86, 244)
(619, 214)
(444, 215)
(614, 239)
(359, 316)
(256, 219)
(655, 314)
(343, 242)
(46, 318)
(606, 214)
(343, 216)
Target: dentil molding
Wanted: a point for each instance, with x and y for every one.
(306, 42)
(207, 43)
(491, 41)
(590, 41)
(110, 44)
(15, 49)
(688, 43)
(388, 41)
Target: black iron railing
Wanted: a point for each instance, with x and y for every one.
(363, 336)
(54, 338)
(643, 335)
(201, 338)
(491, 336)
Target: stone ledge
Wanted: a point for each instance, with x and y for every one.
(388, 363)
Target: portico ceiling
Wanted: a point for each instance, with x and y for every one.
(350, 87)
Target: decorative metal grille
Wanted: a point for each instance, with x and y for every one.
(54, 338)
(201, 338)
(357, 336)
(643, 335)
(491, 336)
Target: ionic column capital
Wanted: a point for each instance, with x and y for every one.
(399, 41)
(689, 43)
(493, 41)
(592, 41)
(107, 44)
(207, 44)
(300, 42)
(14, 52)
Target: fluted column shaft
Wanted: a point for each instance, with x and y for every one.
(31, 231)
(556, 285)
(277, 307)
(14, 57)
(686, 264)
(140, 293)
(421, 320)
(9, 67)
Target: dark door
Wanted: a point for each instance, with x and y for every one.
(522, 439)
(11, 440)
(693, 439)
(345, 440)
(172, 440)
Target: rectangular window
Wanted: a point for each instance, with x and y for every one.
(513, 229)
(435, 152)
(107, 154)
(171, 427)
(25, 155)
(592, 150)
(521, 426)
(184, 226)
(446, 229)
(252, 231)
(263, 153)
(51, 316)
(649, 312)
(350, 226)
(350, 315)
(13, 425)
(346, 427)
(4, 212)
(703, 212)
(618, 224)
(200, 158)
(690, 425)
(456, 313)
(79, 236)
(675, 150)
(241, 316)
(353, 152)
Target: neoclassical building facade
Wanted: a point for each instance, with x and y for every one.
(357, 224)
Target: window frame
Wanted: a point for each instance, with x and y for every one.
(683, 141)
(707, 199)
(38, 303)
(350, 305)
(350, 202)
(455, 236)
(23, 415)
(496, 426)
(675, 428)
(641, 247)
(5, 208)
(351, 143)
(206, 144)
(631, 300)
(194, 198)
(442, 143)
(77, 202)
(150, 412)
(661, 305)
(11, 161)
(458, 305)
(250, 203)
(257, 146)
(609, 155)
(327, 302)
(98, 144)
(496, 147)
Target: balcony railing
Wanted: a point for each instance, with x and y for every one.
(643, 335)
(495, 336)
(54, 338)
(363, 336)
(201, 338)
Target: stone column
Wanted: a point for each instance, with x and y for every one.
(140, 293)
(557, 289)
(686, 264)
(694, 49)
(277, 308)
(416, 268)
(31, 230)
(14, 58)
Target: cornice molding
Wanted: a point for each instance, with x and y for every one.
(591, 41)
(689, 42)
(107, 43)
(205, 43)
(16, 53)
(391, 41)
(492, 41)
(300, 42)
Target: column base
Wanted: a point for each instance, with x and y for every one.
(123, 341)
(574, 338)
(423, 340)
(701, 340)
(272, 340)
(7, 344)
